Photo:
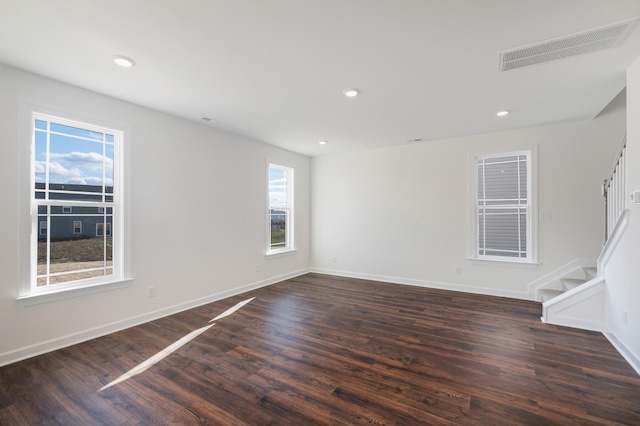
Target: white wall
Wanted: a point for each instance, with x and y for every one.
(399, 214)
(402, 213)
(621, 273)
(198, 217)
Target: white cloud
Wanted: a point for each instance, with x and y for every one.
(58, 169)
(85, 160)
(40, 167)
(82, 168)
(89, 180)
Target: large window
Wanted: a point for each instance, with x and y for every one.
(280, 209)
(503, 208)
(75, 204)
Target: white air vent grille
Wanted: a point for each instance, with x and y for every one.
(564, 47)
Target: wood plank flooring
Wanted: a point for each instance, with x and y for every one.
(328, 350)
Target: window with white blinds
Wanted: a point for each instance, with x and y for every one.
(503, 207)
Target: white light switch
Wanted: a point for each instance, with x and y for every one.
(635, 197)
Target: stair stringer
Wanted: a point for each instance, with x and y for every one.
(581, 307)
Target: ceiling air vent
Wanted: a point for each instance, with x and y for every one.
(564, 47)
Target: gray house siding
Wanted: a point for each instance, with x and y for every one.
(74, 221)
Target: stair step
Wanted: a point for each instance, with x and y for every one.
(571, 283)
(590, 273)
(546, 294)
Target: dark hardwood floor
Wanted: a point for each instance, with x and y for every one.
(328, 350)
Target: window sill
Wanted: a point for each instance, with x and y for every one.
(508, 263)
(68, 293)
(280, 253)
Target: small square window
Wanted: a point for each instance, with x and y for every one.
(66, 209)
(100, 227)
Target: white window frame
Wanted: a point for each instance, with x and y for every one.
(67, 209)
(288, 209)
(29, 293)
(79, 227)
(531, 209)
(43, 228)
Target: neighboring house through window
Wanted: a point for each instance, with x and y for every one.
(280, 209)
(75, 186)
(504, 214)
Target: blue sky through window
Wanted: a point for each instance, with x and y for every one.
(76, 155)
(277, 187)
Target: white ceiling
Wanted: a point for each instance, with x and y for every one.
(274, 70)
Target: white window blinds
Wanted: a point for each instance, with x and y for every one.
(503, 207)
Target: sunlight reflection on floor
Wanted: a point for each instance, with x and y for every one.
(140, 368)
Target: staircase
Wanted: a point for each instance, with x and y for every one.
(576, 296)
(568, 284)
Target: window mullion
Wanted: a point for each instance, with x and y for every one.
(48, 245)
(519, 210)
(484, 205)
(47, 160)
(104, 199)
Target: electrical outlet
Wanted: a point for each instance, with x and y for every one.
(624, 317)
(546, 216)
(258, 268)
(152, 292)
(457, 270)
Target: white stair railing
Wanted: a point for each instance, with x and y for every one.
(614, 191)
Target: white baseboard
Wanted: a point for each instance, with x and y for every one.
(631, 358)
(428, 284)
(75, 338)
(578, 323)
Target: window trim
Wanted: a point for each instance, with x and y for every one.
(115, 202)
(79, 228)
(27, 297)
(532, 216)
(290, 212)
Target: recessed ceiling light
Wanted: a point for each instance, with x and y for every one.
(322, 142)
(123, 61)
(502, 113)
(350, 93)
